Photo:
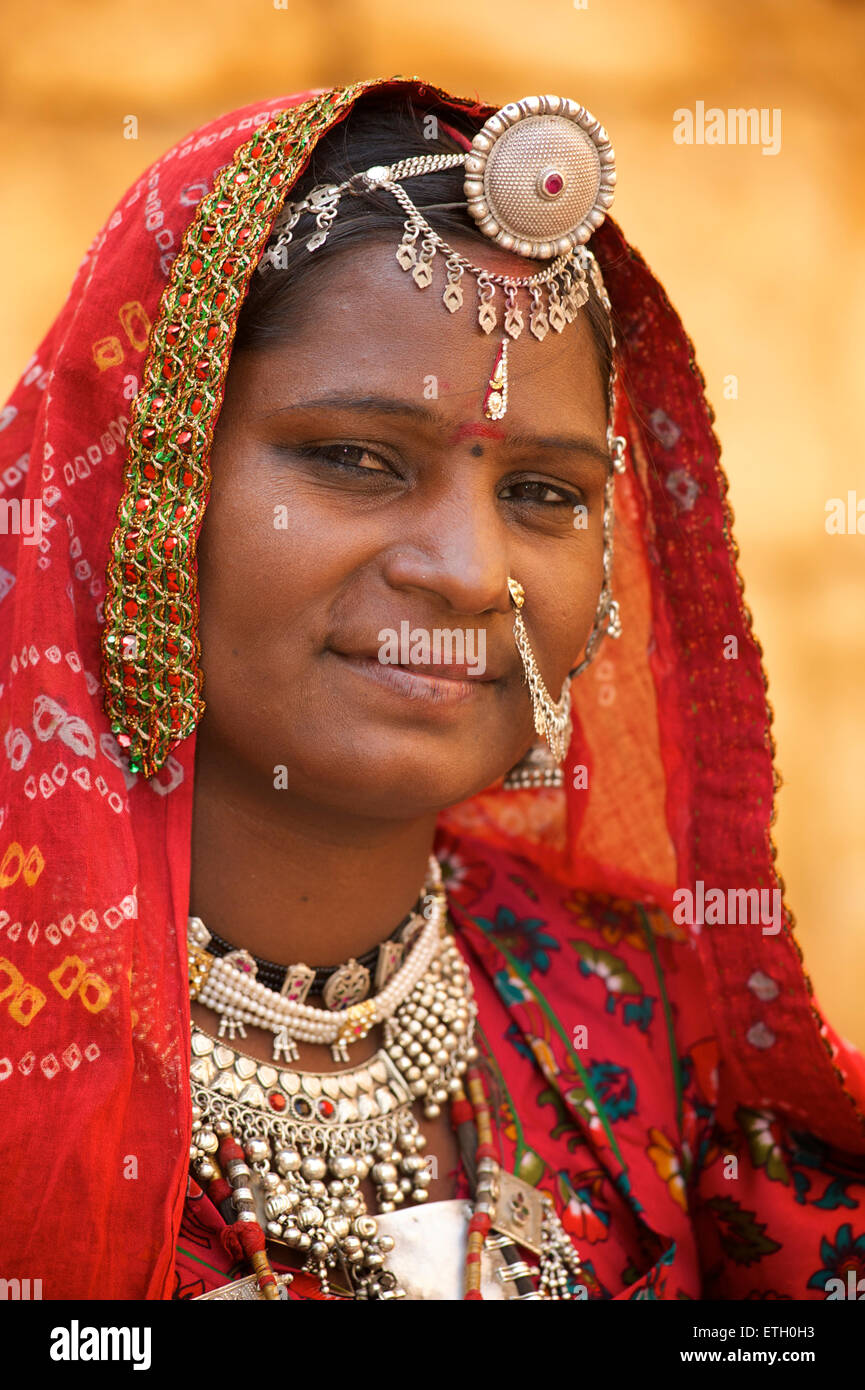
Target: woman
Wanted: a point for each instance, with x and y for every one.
(244, 744)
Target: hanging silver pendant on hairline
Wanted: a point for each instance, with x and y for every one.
(539, 180)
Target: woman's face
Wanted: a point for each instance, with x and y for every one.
(359, 488)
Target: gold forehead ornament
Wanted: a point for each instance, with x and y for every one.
(539, 180)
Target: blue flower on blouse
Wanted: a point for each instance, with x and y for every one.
(522, 936)
(615, 1088)
(844, 1255)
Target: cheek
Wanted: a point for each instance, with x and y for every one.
(268, 559)
(561, 605)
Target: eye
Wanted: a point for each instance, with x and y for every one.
(537, 490)
(346, 457)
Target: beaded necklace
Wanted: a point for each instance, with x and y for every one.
(332, 982)
(229, 984)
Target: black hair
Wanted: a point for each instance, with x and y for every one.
(379, 129)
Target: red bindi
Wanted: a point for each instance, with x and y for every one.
(476, 431)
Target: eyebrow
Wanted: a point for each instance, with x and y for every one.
(410, 410)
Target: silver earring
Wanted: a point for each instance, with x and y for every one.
(608, 622)
(537, 768)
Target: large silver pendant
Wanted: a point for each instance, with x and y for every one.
(242, 1290)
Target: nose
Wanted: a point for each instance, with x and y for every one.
(457, 551)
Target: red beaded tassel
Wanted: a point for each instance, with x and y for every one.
(479, 1225)
(243, 1239)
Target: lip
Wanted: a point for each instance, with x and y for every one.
(427, 684)
(442, 670)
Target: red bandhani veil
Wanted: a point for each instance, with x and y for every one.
(95, 861)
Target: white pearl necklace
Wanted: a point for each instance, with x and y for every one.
(240, 998)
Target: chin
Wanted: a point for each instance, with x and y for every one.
(391, 782)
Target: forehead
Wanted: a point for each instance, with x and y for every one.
(363, 325)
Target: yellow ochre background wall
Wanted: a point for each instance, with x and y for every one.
(761, 254)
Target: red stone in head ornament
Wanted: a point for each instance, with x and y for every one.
(540, 177)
